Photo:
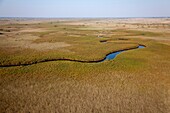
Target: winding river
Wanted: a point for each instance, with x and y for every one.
(109, 56)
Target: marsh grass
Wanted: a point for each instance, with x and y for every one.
(135, 81)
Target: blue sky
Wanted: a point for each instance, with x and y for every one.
(84, 8)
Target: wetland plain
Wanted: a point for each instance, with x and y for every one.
(135, 81)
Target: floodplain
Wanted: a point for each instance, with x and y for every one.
(51, 65)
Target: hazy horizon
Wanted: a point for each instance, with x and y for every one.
(85, 8)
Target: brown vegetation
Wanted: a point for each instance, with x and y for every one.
(136, 81)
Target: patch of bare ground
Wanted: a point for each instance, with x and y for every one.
(163, 40)
(33, 30)
(48, 46)
(154, 38)
(26, 41)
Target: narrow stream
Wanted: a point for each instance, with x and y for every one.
(114, 54)
(110, 56)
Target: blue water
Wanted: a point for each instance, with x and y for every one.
(141, 47)
(113, 55)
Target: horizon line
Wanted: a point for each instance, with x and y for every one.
(81, 17)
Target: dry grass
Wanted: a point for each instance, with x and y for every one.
(137, 81)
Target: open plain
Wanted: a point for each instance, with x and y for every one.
(136, 81)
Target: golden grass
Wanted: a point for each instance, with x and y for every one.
(135, 81)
